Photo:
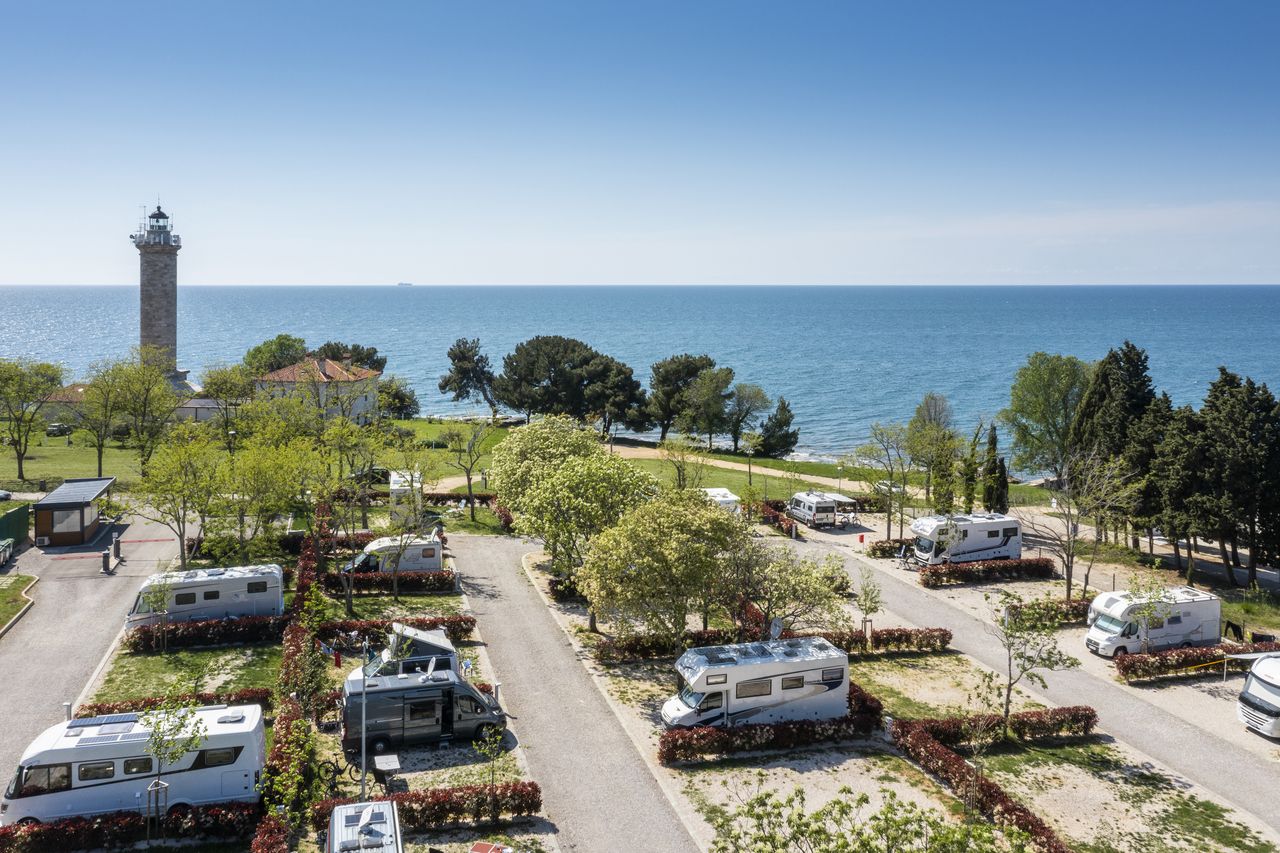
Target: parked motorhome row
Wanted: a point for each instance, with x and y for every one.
(1183, 617)
(966, 538)
(799, 679)
(209, 594)
(97, 765)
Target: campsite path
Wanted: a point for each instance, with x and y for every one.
(54, 649)
(596, 790)
(1237, 775)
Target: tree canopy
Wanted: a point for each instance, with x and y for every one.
(1043, 403)
(470, 375)
(669, 380)
(531, 453)
(777, 438)
(280, 351)
(358, 354)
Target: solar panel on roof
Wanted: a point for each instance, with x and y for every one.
(135, 736)
(353, 819)
(105, 720)
(96, 739)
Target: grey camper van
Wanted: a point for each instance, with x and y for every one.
(407, 708)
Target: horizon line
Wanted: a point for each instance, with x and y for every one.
(688, 284)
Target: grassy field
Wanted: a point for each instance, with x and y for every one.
(383, 606)
(432, 430)
(11, 600)
(52, 460)
(136, 675)
(767, 482)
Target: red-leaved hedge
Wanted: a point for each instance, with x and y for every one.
(272, 836)
(1173, 662)
(424, 811)
(206, 632)
(442, 581)
(865, 714)
(456, 628)
(985, 570)
(227, 821)
(248, 696)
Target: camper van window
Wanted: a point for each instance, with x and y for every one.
(993, 534)
(691, 698)
(833, 675)
(467, 705)
(257, 586)
(1010, 532)
(184, 598)
(1154, 623)
(422, 710)
(137, 766)
(428, 553)
(712, 701)
(141, 606)
(211, 595)
(46, 779)
(748, 689)
(924, 545)
(717, 679)
(96, 770)
(218, 757)
(1175, 620)
(792, 682)
(1108, 623)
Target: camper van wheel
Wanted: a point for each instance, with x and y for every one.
(379, 745)
(1185, 646)
(483, 731)
(1120, 652)
(28, 821)
(178, 809)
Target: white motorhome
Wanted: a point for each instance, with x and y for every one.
(966, 538)
(1184, 617)
(806, 678)
(420, 554)
(364, 826)
(815, 509)
(100, 764)
(211, 594)
(725, 499)
(1258, 705)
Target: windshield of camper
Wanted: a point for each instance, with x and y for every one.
(373, 667)
(1110, 624)
(924, 545)
(140, 605)
(12, 791)
(1264, 690)
(690, 697)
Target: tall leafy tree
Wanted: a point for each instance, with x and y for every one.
(1000, 491)
(149, 401)
(706, 402)
(746, 406)
(25, 387)
(179, 486)
(931, 441)
(230, 386)
(397, 399)
(1140, 454)
(464, 448)
(549, 375)
(669, 380)
(280, 351)
(470, 375)
(887, 451)
(358, 354)
(1179, 477)
(969, 471)
(529, 454)
(777, 438)
(614, 396)
(102, 406)
(1043, 402)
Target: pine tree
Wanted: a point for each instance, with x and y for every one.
(777, 438)
(1000, 501)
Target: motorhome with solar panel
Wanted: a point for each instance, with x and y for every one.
(364, 826)
(805, 678)
(966, 538)
(98, 765)
(211, 594)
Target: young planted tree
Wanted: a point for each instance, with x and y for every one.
(1029, 638)
(491, 745)
(149, 401)
(746, 406)
(179, 486)
(887, 452)
(102, 406)
(668, 381)
(464, 447)
(173, 731)
(470, 375)
(1043, 403)
(1152, 604)
(867, 598)
(688, 462)
(25, 387)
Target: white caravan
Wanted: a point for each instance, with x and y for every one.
(212, 594)
(725, 499)
(806, 678)
(966, 538)
(815, 509)
(364, 826)
(1184, 617)
(1258, 705)
(420, 554)
(101, 764)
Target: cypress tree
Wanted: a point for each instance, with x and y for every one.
(1000, 501)
(989, 472)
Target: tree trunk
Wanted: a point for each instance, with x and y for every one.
(471, 499)
(591, 622)
(1235, 551)
(1191, 558)
(1151, 541)
(101, 448)
(1253, 555)
(662, 433)
(1226, 559)
(21, 456)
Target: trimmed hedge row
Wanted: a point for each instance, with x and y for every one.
(1172, 662)
(249, 696)
(272, 836)
(679, 745)
(885, 548)
(227, 821)
(933, 577)
(424, 811)
(456, 628)
(442, 581)
(206, 632)
(889, 640)
(927, 743)
(1065, 611)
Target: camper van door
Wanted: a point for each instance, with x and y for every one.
(422, 716)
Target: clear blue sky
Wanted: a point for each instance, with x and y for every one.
(698, 142)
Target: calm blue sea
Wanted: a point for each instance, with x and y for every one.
(843, 356)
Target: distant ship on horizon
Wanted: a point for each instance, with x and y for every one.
(404, 284)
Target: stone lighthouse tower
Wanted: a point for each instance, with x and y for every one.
(158, 249)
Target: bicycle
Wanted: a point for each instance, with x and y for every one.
(333, 772)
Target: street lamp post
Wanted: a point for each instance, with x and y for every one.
(751, 451)
(840, 477)
(364, 703)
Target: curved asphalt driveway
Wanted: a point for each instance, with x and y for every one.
(1237, 775)
(54, 649)
(596, 790)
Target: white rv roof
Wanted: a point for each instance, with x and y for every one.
(1267, 668)
(394, 543)
(720, 494)
(131, 727)
(435, 636)
(837, 497)
(364, 826)
(813, 496)
(928, 523)
(799, 648)
(1115, 603)
(192, 576)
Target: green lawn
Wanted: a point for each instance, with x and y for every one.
(432, 430)
(384, 606)
(50, 459)
(767, 482)
(135, 675)
(11, 600)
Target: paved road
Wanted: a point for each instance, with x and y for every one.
(1237, 775)
(54, 649)
(596, 790)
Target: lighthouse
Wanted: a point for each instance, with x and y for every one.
(158, 251)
